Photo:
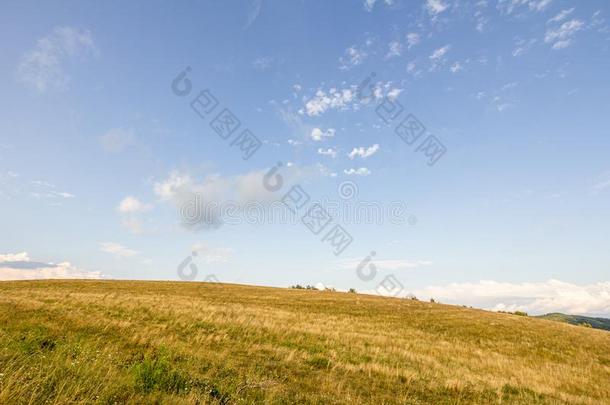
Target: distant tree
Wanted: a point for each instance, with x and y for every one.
(297, 287)
(310, 287)
(432, 300)
(352, 290)
(520, 313)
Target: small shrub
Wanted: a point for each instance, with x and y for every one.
(156, 374)
(585, 324)
(520, 313)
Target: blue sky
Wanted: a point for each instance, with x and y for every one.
(98, 156)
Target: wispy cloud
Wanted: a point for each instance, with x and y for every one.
(413, 39)
(262, 63)
(440, 52)
(562, 15)
(385, 264)
(117, 250)
(437, 57)
(394, 49)
(43, 68)
(117, 139)
(562, 36)
(131, 205)
(456, 67)
(602, 184)
(510, 6)
(522, 46)
(369, 4)
(353, 56)
(131, 210)
(211, 254)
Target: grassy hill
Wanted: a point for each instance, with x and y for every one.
(170, 342)
(597, 323)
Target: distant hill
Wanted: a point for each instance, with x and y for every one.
(596, 323)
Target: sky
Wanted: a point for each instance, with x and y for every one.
(439, 148)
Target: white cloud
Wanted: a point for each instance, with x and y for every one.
(413, 39)
(212, 255)
(42, 68)
(117, 139)
(131, 205)
(561, 37)
(364, 152)
(435, 6)
(334, 99)
(347, 98)
(318, 134)
(394, 49)
(131, 209)
(362, 171)
(394, 93)
(14, 257)
(199, 203)
(327, 152)
(117, 250)
(19, 266)
(532, 297)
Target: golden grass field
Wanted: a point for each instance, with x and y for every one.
(172, 342)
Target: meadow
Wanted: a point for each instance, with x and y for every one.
(187, 343)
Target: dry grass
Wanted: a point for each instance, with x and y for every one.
(168, 342)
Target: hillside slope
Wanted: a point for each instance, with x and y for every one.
(141, 342)
(597, 323)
